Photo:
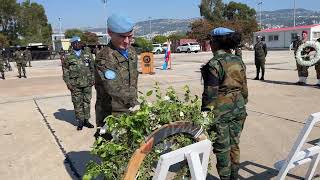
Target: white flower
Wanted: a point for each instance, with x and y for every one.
(167, 98)
(149, 104)
(152, 116)
(204, 114)
(181, 114)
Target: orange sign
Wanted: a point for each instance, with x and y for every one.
(147, 63)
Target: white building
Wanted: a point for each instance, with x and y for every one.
(283, 37)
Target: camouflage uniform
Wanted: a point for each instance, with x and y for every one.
(238, 52)
(2, 64)
(225, 89)
(260, 53)
(79, 77)
(115, 94)
(28, 56)
(21, 62)
(303, 70)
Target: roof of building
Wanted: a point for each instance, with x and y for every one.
(288, 28)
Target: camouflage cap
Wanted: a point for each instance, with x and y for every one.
(119, 24)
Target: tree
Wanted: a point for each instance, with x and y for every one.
(160, 39)
(177, 36)
(200, 30)
(143, 44)
(9, 10)
(212, 10)
(3, 41)
(33, 23)
(73, 32)
(90, 38)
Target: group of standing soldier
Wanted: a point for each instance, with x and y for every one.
(21, 57)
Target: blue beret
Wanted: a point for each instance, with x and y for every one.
(75, 38)
(221, 31)
(119, 24)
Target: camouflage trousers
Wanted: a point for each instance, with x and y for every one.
(303, 70)
(81, 98)
(226, 146)
(1, 66)
(260, 65)
(21, 67)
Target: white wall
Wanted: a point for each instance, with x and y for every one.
(284, 37)
(315, 30)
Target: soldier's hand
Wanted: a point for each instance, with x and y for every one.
(134, 108)
(70, 87)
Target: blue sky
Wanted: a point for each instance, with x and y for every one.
(91, 13)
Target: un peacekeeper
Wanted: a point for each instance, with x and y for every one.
(21, 61)
(116, 74)
(260, 53)
(78, 75)
(28, 56)
(225, 90)
(2, 63)
(303, 70)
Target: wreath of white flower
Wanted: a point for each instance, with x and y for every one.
(313, 58)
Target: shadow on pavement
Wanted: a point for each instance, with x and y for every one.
(285, 83)
(261, 172)
(76, 163)
(66, 115)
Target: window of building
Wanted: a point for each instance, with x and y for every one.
(294, 36)
(273, 37)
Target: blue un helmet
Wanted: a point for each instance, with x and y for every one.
(75, 39)
(221, 31)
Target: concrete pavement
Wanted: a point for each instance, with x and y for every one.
(39, 139)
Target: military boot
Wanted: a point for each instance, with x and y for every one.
(80, 125)
(262, 75)
(19, 76)
(24, 75)
(3, 76)
(257, 77)
(88, 124)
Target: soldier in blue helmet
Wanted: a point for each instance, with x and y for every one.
(226, 93)
(116, 73)
(78, 75)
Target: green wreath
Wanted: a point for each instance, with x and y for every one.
(134, 130)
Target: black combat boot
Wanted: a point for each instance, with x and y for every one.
(24, 75)
(80, 125)
(257, 77)
(262, 75)
(19, 76)
(88, 124)
(3, 76)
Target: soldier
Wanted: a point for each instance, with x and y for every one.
(260, 53)
(116, 72)
(225, 91)
(21, 61)
(78, 75)
(2, 63)
(28, 56)
(303, 70)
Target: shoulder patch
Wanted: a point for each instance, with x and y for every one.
(110, 74)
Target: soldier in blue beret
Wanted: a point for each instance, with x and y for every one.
(78, 75)
(225, 92)
(116, 73)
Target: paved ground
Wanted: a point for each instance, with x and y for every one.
(39, 140)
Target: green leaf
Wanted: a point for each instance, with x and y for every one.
(149, 93)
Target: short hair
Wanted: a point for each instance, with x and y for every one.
(227, 42)
(304, 32)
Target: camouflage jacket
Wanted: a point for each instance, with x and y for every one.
(27, 55)
(225, 85)
(19, 57)
(117, 78)
(78, 71)
(260, 51)
(1, 59)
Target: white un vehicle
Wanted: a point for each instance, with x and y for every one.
(188, 48)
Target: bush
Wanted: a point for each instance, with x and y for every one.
(130, 130)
